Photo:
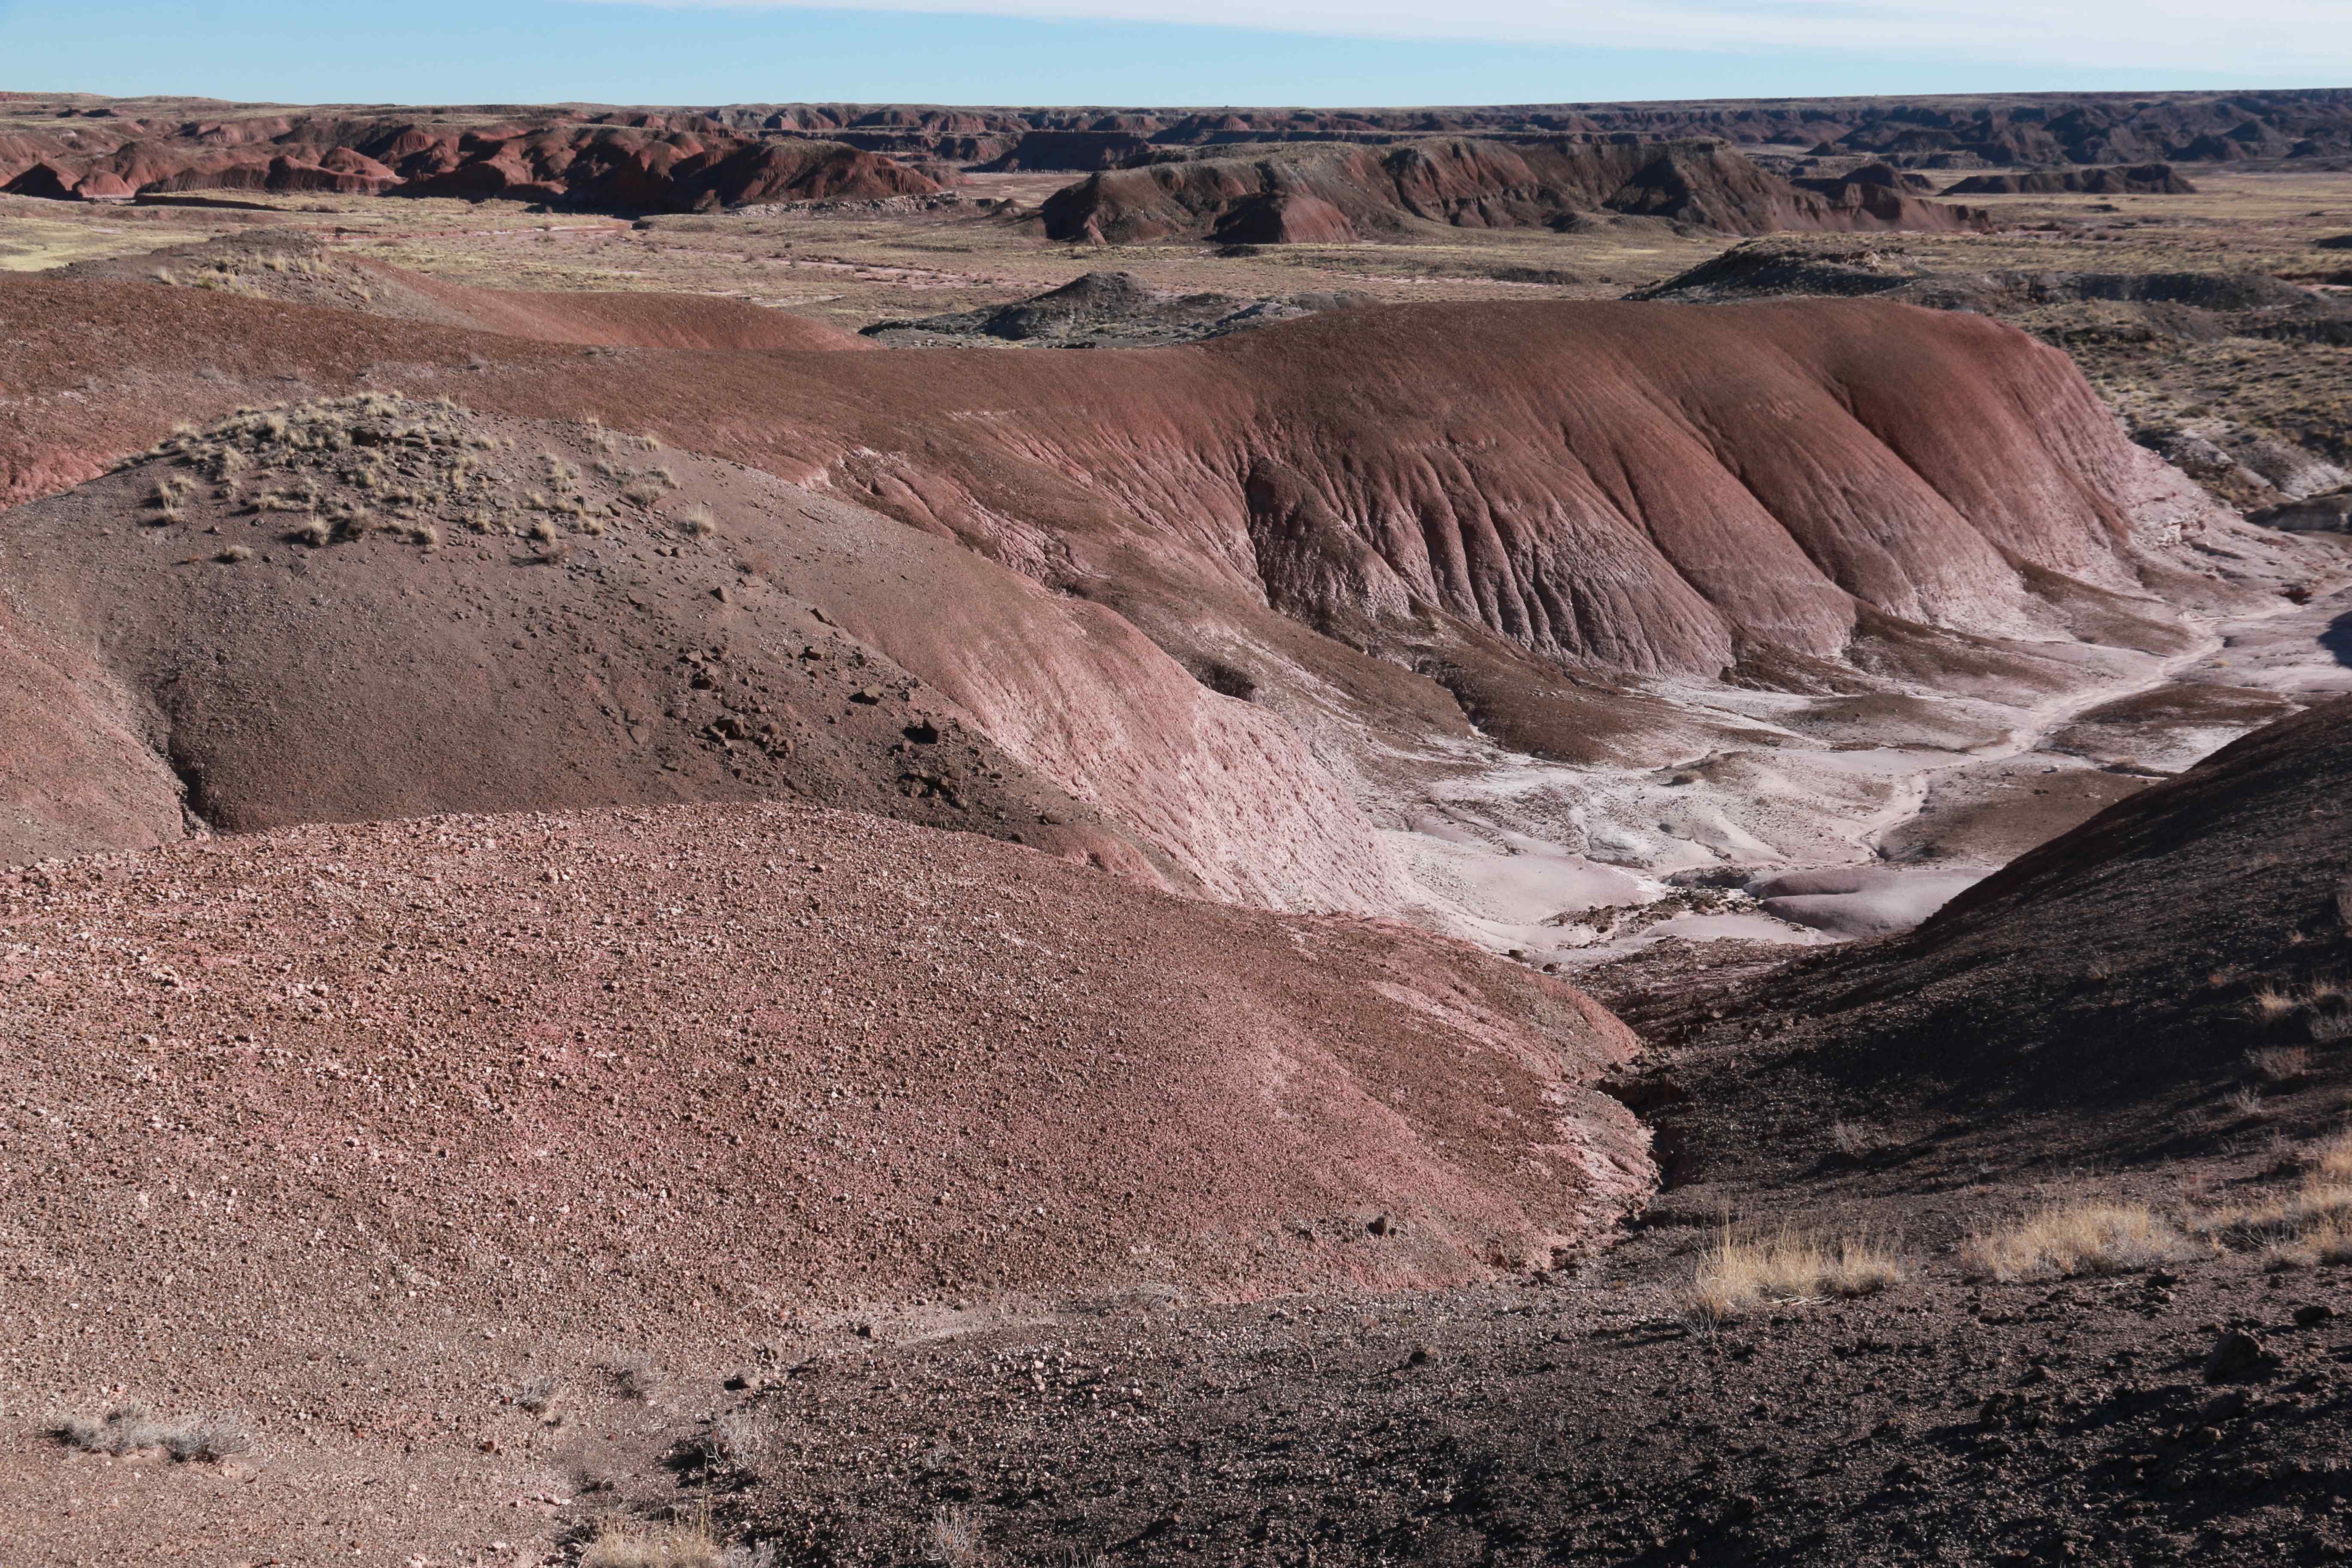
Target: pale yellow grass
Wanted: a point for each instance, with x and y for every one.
(654, 1546)
(2066, 1239)
(1736, 1274)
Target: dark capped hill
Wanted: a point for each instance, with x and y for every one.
(2111, 986)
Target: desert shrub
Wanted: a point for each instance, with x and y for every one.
(1857, 1140)
(2068, 1239)
(955, 1540)
(643, 491)
(696, 522)
(2246, 1101)
(739, 1440)
(2279, 1064)
(635, 1378)
(543, 531)
(129, 1428)
(537, 1395)
(314, 533)
(1736, 1274)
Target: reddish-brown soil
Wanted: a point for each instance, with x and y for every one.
(499, 1088)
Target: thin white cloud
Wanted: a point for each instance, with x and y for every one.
(2305, 40)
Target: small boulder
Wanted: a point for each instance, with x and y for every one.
(2237, 1354)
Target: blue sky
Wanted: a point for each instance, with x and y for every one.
(1307, 52)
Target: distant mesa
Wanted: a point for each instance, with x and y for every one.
(647, 167)
(1883, 175)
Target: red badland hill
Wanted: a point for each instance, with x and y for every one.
(1645, 487)
(1330, 194)
(658, 166)
(660, 1074)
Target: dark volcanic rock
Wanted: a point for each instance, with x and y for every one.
(1109, 310)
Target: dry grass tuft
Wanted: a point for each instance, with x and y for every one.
(696, 522)
(2279, 1064)
(129, 1430)
(2073, 1238)
(1735, 1274)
